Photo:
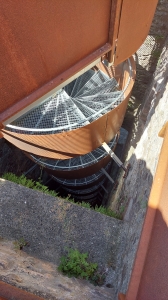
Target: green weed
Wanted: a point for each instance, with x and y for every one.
(76, 264)
(159, 37)
(38, 186)
(85, 204)
(98, 278)
(143, 204)
(122, 209)
(130, 105)
(159, 62)
(101, 209)
(19, 244)
(107, 211)
(156, 54)
(35, 185)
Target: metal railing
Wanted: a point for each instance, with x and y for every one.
(93, 115)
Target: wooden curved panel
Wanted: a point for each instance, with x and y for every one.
(135, 21)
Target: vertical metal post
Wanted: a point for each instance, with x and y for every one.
(104, 188)
(31, 169)
(107, 175)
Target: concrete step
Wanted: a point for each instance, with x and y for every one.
(50, 225)
(42, 279)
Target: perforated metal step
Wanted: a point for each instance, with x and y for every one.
(81, 181)
(77, 162)
(86, 197)
(79, 103)
(84, 191)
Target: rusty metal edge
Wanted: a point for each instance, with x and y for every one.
(128, 28)
(116, 7)
(81, 172)
(32, 98)
(105, 129)
(8, 292)
(153, 204)
(82, 187)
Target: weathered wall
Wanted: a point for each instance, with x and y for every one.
(137, 185)
(43, 279)
(51, 224)
(105, 248)
(160, 24)
(147, 55)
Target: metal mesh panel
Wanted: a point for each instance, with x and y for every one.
(77, 162)
(93, 95)
(84, 191)
(108, 86)
(81, 181)
(91, 201)
(86, 197)
(58, 111)
(97, 79)
(79, 83)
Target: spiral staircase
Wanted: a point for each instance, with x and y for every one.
(59, 103)
(76, 106)
(65, 94)
(81, 102)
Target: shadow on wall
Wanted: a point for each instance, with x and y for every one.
(13, 160)
(135, 193)
(154, 276)
(150, 274)
(147, 59)
(147, 92)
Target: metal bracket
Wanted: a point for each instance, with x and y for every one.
(107, 63)
(116, 159)
(31, 169)
(111, 179)
(104, 188)
(107, 175)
